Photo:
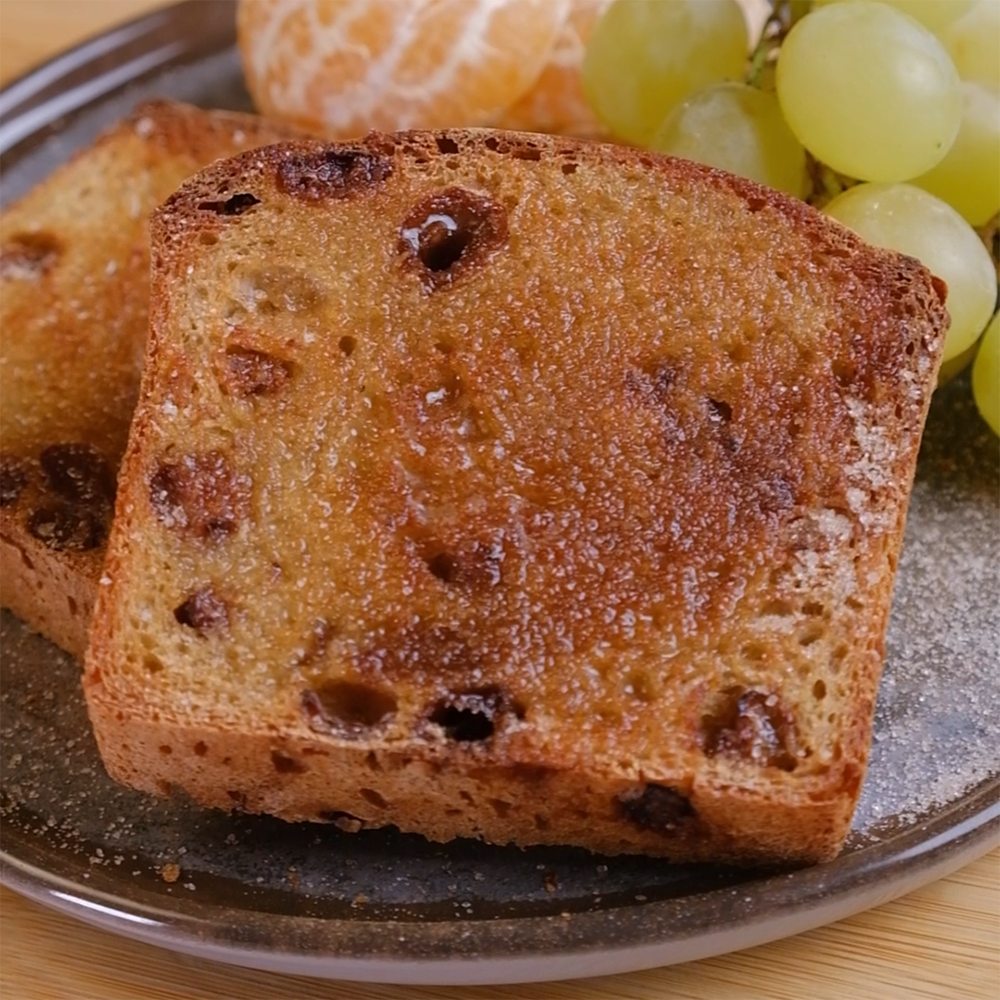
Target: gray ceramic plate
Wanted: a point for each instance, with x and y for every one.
(393, 908)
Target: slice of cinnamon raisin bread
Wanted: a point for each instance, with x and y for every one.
(74, 293)
(507, 486)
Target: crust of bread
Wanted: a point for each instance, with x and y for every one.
(602, 548)
(74, 271)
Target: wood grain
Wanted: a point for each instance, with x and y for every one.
(939, 943)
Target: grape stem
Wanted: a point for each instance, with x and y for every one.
(784, 14)
(824, 182)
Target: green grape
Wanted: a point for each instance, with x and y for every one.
(645, 56)
(740, 129)
(973, 42)
(908, 219)
(968, 178)
(869, 91)
(932, 14)
(986, 375)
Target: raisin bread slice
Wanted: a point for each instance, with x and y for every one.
(74, 293)
(513, 487)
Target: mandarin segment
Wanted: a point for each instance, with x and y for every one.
(343, 67)
(556, 102)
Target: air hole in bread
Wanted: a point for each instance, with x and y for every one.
(500, 806)
(245, 372)
(569, 168)
(352, 706)
(752, 725)
(466, 797)
(347, 345)
(66, 528)
(373, 797)
(450, 233)
(813, 609)
(166, 749)
(819, 690)
(152, 664)
(78, 472)
(200, 748)
(443, 566)
(472, 716)
(372, 762)
(446, 146)
(811, 634)
(340, 819)
(656, 807)
(26, 256)
(235, 205)
(13, 479)
(755, 203)
(331, 173)
(526, 153)
(208, 238)
(201, 495)
(477, 564)
(204, 611)
(284, 764)
(720, 411)
(541, 823)
(464, 725)
(753, 652)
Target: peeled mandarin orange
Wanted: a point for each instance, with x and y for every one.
(556, 102)
(342, 67)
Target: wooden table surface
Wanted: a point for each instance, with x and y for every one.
(942, 941)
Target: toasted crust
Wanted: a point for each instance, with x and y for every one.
(74, 268)
(508, 486)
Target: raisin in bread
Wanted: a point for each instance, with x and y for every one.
(512, 487)
(74, 292)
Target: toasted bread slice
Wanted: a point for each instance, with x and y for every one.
(506, 486)
(74, 292)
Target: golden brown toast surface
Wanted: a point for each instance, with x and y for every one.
(74, 295)
(507, 486)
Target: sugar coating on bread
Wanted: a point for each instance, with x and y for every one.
(74, 294)
(507, 486)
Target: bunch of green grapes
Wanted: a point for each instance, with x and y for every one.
(884, 114)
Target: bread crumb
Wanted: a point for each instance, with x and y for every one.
(170, 872)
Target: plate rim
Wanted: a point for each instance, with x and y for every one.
(931, 850)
